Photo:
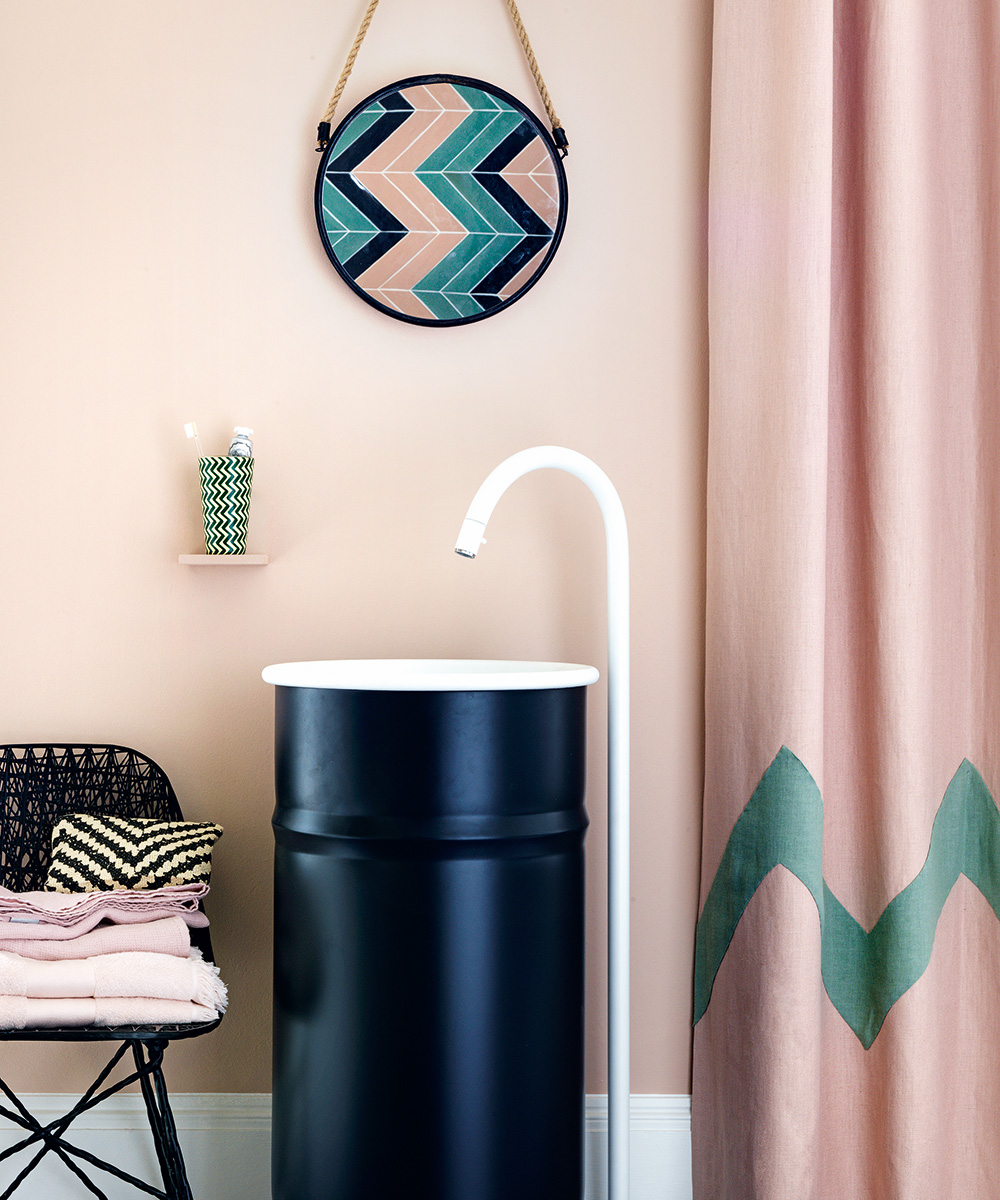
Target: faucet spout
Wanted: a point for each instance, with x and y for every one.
(470, 538)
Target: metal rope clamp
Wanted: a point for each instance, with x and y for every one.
(441, 199)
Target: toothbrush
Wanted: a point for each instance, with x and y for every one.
(191, 430)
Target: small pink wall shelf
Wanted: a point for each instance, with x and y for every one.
(224, 560)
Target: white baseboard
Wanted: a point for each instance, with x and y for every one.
(225, 1137)
(660, 1145)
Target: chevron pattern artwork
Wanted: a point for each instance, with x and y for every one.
(864, 972)
(440, 200)
(226, 483)
(92, 853)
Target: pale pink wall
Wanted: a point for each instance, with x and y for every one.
(160, 264)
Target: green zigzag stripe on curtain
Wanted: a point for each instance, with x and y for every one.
(864, 973)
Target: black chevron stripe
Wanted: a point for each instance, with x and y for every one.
(338, 172)
(147, 848)
(396, 100)
(391, 229)
(504, 153)
(372, 251)
(373, 137)
(96, 853)
(132, 835)
(509, 265)
(362, 199)
(88, 871)
(152, 859)
(486, 300)
(487, 175)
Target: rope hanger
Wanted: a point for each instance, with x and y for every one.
(558, 132)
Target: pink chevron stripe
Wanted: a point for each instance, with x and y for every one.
(426, 219)
(386, 152)
(544, 172)
(532, 175)
(415, 208)
(546, 180)
(427, 257)
(422, 98)
(445, 95)
(404, 302)
(409, 260)
(539, 199)
(444, 125)
(533, 157)
(381, 272)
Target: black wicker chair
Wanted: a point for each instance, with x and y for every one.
(38, 785)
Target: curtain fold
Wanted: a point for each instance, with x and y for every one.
(848, 950)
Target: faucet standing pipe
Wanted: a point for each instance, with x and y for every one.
(469, 540)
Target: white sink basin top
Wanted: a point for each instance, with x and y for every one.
(429, 675)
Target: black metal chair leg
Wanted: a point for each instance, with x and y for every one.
(50, 1136)
(149, 1076)
(152, 1112)
(161, 1121)
(87, 1182)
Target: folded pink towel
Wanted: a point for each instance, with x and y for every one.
(153, 976)
(168, 935)
(54, 915)
(22, 1012)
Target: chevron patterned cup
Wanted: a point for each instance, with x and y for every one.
(225, 498)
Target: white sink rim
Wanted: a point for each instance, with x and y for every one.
(429, 675)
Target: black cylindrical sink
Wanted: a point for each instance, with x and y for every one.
(428, 940)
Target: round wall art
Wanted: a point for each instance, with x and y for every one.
(441, 199)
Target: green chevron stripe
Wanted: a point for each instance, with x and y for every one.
(336, 233)
(444, 154)
(442, 306)
(339, 213)
(350, 243)
(461, 271)
(864, 973)
(477, 99)
(440, 276)
(465, 305)
(484, 262)
(357, 127)
(498, 218)
(465, 213)
(486, 141)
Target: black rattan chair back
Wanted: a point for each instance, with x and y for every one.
(41, 784)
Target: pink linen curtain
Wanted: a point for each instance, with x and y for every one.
(847, 1037)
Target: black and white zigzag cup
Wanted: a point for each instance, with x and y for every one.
(225, 496)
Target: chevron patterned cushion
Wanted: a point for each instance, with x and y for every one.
(91, 853)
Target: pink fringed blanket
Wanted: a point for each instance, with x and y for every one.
(78, 991)
(168, 935)
(56, 915)
(22, 1012)
(160, 976)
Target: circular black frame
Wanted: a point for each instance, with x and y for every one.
(416, 81)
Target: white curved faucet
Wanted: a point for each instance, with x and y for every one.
(469, 540)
